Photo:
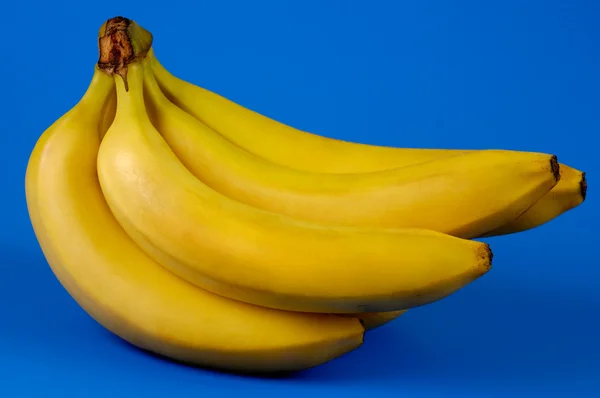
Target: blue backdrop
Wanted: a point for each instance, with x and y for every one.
(458, 74)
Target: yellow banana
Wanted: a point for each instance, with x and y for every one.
(260, 257)
(465, 195)
(133, 296)
(301, 150)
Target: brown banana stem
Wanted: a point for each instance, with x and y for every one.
(121, 42)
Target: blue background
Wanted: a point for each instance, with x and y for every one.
(458, 74)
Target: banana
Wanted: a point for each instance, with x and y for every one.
(301, 150)
(464, 196)
(128, 293)
(260, 257)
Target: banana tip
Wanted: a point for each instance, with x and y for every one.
(555, 167)
(583, 186)
(485, 255)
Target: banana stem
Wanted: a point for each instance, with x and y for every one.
(122, 42)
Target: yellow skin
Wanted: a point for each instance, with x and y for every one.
(133, 296)
(260, 257)
(297, 149)
(370, 320)
(465, 196)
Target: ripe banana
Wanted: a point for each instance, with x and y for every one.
(297, 149)
(134, 297)
(260, 257)
(465, 195)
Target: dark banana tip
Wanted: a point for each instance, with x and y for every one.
(583, 186)
(485, 255)
(555, 167)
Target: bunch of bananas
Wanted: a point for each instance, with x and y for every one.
(203, 231)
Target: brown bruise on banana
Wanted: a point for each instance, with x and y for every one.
(121, 42)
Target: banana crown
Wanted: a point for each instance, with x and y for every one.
(122, 42)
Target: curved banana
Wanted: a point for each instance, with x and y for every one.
(297, 149)
(260, 257)
(134, 297)
(465, 196)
